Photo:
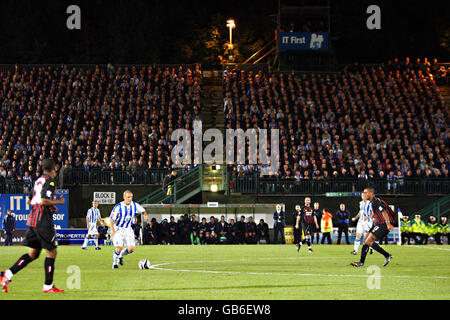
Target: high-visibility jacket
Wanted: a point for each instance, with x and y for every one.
(405, 226)
(326, 225)
(432, 228)
(418, 226)
(443, 228)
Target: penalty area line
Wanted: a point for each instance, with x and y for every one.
(156, 267)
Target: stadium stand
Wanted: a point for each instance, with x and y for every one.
(385, 122)
(114, 120)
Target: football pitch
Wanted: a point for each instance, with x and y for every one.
(245, 272)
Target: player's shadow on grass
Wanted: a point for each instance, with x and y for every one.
(238, 287)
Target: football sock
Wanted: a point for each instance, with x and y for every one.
(364, 251)
(308, 242)
(115, 258)
(124, 253)
(86, 240)
(21, 263)
(49, 269)
(378, 248)
(96, 242)
(198, 240)
(356, 245)
(192, 238)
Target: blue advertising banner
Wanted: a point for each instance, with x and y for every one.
(70, 236)
(315, 41)
(17, 203)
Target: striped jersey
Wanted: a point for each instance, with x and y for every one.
(93, 215)
(123, 216)
(365, 210)
(42, 216)
(379, 206)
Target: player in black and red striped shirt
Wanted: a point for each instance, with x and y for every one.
(41, 232)
(383, 222)
(308, 222)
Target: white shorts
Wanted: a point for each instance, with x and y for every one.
(92, 230)
(363, 226)
(124, 237)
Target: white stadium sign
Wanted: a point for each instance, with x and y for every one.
(105, 197)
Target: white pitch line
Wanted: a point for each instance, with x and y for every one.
(292, 274)
(431, 248)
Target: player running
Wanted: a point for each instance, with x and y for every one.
(41, 233)
(92, 218)
(364, 222)
(383, 220)
(122, 216)
(308, 221)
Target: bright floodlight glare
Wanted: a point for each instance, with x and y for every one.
(214, 188)
(231, 24)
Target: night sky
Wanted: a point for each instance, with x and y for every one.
(172, 31)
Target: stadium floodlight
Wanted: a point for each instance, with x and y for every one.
(231, 25)
(214, 188)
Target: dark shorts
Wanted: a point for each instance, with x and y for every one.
(380, 231)
(40, 238)
(308, 228)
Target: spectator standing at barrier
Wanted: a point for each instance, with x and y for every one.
(241, 230)
(222, 229)
(181, 231)
(102, 231)
(9, 225)
(326, 225)
(444, 230)
(279, 218)
(250, 231)
(343, 216)
(262, 231)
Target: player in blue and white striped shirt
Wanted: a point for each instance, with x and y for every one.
(93, 216)
(122, 217)
(364, 222)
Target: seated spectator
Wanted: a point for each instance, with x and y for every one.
(232, 231)
(203, 232)
(250, 231)
(262, 232)
(213, 231)
(172, 230)
(240, 234)
(222, 230)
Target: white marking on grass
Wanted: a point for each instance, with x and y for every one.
(431, 248)
(156, 267)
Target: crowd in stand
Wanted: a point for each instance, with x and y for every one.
(93, 117)
(387, 121)
(215, 231)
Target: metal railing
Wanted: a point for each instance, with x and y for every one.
(70, 177)
(253, 184)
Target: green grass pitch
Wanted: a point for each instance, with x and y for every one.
(237, 272)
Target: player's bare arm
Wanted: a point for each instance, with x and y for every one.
(48, 202)
(357, 216)
(297, 222)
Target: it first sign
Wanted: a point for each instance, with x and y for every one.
(105, 197)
